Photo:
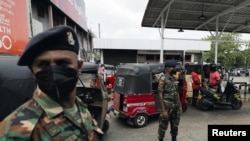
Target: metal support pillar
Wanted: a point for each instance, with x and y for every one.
(216, 41)
(162, 38)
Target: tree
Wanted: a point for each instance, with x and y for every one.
(229, 54)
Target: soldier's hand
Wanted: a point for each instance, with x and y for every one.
(164, 114)
(180, 110)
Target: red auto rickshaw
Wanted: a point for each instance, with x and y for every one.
(135, 95)
(92, 91)
(135, 92)
(110, 76)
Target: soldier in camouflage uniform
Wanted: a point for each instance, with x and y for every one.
(169, 101)
(55, 112)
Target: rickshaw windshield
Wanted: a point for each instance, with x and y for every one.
(109, 71)
(90, 78)
(87, 80)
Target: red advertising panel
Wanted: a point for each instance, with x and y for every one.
(13, 26)
(75, 9)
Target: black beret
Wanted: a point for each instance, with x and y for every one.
(170, 63)
(59, 37)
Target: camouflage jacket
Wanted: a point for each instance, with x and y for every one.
(170, 91)
(41, 118)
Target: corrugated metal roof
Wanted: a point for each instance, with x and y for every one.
(233, 15)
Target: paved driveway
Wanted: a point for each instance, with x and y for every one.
(193, 126)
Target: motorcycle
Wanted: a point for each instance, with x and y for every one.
(229, 98)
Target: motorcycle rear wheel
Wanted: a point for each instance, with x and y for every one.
(236, 104)
(204, 105)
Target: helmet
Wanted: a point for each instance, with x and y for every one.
(170, 63)
(212, 67)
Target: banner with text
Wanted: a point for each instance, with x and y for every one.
(13, 26)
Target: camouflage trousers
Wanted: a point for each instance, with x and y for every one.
(173, 118)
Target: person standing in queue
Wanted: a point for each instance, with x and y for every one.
(214, 79)
(54, 112)
(170, 102)
(196, 82)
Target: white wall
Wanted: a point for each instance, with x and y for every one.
(169, 44)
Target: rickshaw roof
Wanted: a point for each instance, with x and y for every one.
(16, 84)
(10, 70)
(136, 78)
(137, 69)
(89, 67)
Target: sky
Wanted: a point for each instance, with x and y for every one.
(122, 19)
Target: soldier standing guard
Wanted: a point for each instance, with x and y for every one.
(170, 102)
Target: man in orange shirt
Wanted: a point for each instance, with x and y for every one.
(195, 84)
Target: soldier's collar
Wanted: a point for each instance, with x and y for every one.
(51, 107)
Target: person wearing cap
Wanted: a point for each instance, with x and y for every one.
(170, 102)
(54, 112)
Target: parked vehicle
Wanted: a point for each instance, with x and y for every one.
(229, 98)
(110, 77)
(136, 96)
(92, 91)
(16, 85)
(135, 92)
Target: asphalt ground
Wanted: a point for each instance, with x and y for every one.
(193, 125)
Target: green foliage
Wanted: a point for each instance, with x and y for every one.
(230, 53)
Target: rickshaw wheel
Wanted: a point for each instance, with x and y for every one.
(140, 120)
(105, 126)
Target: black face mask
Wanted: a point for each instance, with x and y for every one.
(57, 82)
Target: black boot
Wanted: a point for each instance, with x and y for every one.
(174, 138)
